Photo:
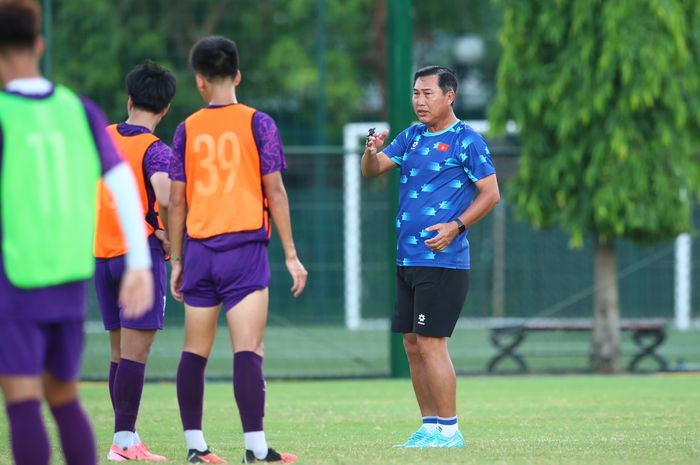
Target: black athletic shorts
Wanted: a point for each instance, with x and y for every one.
(428, 300)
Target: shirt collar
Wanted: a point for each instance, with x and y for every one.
(30, 86)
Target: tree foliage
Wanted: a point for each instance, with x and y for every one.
(606, 95)
(96, 42)
(313, 64)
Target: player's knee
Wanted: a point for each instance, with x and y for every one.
(15, 391)
(250, 345)
(136, 353)
(59, 392)
(410, 344)
(428, 345)
(198, 349)
(139, 356)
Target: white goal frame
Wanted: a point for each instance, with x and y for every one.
(353, 133)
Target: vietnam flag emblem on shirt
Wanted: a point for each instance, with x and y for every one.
(442, 147)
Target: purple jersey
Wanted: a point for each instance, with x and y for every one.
(269, 145)
(64, 301)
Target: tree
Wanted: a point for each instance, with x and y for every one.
(96, 42)
(606, 96)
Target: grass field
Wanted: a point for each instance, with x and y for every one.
(572, 420)
(327, 351)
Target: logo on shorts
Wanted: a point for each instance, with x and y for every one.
(421, 319)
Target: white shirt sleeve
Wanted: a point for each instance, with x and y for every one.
(122, 184)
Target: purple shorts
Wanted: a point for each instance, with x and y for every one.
(28, 348)
(108, 276)
(47, 304)
(211, 277)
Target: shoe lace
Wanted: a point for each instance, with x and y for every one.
(419, 435)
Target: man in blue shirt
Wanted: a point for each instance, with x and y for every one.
(444, 163)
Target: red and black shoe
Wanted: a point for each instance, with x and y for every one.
(207, 456)
(272, 457)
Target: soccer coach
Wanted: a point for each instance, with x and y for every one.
(444, 163)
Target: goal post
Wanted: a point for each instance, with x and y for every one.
(354, 135)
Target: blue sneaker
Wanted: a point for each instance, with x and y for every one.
(418, 439)
(438, 440)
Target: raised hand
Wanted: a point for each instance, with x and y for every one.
(375, 142)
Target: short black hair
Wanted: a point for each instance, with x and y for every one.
(150, 86)
(447, 79)
(20, 24)
(215, 57)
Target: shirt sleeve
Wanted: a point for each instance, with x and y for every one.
(476, 158)
(396, 150)
(157, 159)
(109, 154)
(177, 160)
(269, 143)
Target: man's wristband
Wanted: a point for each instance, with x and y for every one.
(461, 226)
(176, 259)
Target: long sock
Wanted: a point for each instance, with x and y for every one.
(249, 391)
(195, 440)
(124, 439)
(121, 438)
(430, 424)
(77, 438)
(448, 426)
(30, 443)
(190, 390)
(128, 388)
(112, 375)
(255, 441)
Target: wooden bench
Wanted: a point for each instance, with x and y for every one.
(647, 335)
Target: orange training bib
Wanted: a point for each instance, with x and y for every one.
(109, 240)
(222, 165)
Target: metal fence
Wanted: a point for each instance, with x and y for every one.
(516, 271)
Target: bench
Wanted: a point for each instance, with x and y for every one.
(647, 335)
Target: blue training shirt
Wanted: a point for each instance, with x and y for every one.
(438, 175)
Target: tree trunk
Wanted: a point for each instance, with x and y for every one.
(605, 351)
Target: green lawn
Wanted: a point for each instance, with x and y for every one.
(327, 351)
(635, 420)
